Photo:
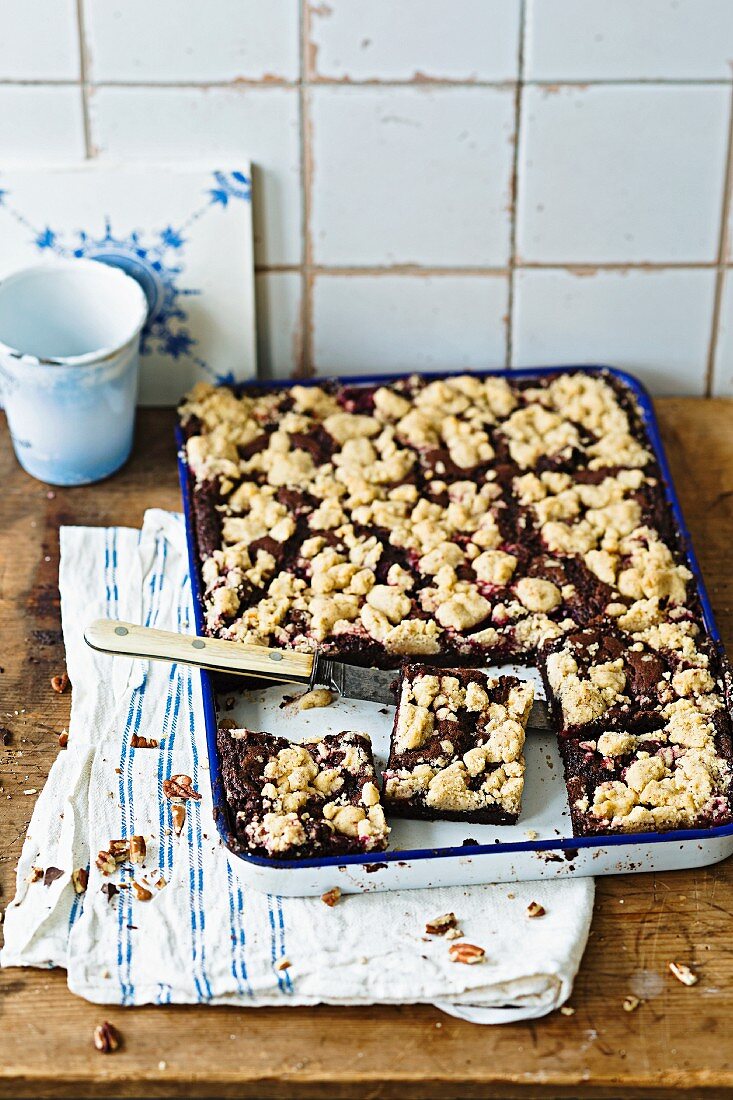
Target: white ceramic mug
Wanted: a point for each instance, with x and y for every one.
(69, 364)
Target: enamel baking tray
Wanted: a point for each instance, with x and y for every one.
(448, 853)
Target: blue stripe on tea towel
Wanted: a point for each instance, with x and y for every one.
(179, 700)
(151, 598)
(196, 862)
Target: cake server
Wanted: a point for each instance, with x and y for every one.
(282, 665)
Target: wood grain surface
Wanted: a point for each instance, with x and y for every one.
(676, 1043)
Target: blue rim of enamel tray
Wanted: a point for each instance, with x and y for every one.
(572, 843)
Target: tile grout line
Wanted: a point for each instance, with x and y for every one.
(415, 270)
(326, 82)
(515, 186)
(551, 85)
(277, 269)
(721, 261)
(83, 80)
(591, 267)
(305, 368)
(420, 270)
(48, 82)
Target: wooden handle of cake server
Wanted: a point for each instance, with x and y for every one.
(146, 643)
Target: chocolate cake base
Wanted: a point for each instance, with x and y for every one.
(456, 748)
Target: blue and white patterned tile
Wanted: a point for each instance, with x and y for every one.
(379, 323)
(39, 40)
(655, 324)
(411, 175)
(184, 233)
(356, 40)
(223, 124)
(622, 173)
(188, 40)
(594, 40)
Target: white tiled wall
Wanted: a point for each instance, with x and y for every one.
(439, 183)
(622, 173)
(413, 175)
(418, 323)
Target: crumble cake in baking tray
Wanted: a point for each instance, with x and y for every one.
(519, 522)
(456, 751)
(304, 799)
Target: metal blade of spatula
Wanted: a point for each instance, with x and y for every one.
(378, 685)
(282, 665)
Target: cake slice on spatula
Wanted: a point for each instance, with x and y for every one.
(456, 749)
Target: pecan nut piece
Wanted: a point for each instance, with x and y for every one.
(63, 739)
(106, 1038)
(138, 742)
(178, 814)
(60, 683)
(141, 892)
(181, 787)
(119, 850)
(106, 863)
(467, 953)
(439, 926)
(138, 849)
(534, 909)
(331, 897)
(80, 880)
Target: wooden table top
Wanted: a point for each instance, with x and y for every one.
(677, 1043)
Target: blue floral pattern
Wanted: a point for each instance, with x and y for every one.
(155, 258)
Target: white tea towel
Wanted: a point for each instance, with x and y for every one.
(204, 937)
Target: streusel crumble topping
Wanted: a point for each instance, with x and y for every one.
(457, 745)
(292, 800)
(465, 521)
